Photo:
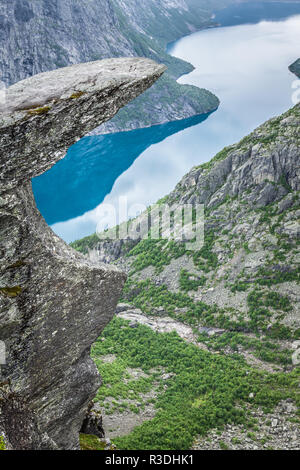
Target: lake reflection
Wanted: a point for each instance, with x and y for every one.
(246, 66)
(96, 162)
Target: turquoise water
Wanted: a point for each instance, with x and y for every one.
(96, 163)
(245, 65)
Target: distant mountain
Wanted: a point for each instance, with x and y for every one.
(44, 35)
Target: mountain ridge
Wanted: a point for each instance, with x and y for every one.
(41, 36)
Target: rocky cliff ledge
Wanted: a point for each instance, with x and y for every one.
(53, 302)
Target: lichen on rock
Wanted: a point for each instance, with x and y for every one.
(54, 303)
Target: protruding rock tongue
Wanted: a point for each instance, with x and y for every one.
(54, 303)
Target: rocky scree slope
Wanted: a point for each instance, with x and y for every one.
(245, 279)
(53, 302)
(40, 36)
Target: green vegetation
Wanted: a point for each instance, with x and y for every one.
(11, 291)
(279, 331)
(77, 94)
(205, 259)
(218, 158)
(85, 244)
(156, 253)
(189, 281)
(2, 443)
(206, 390)
(235, 441)
(89, 442)
(223, 445)
(284, 183)
(269, 277)
(259, 298)
(39, 111)
(171, 96)
(258, 301)
(121, 385)
(263, 349)
(239, 286)
(147, 296)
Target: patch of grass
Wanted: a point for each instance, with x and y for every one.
(11, 291)
(189, 281)
(90, 442)
(156, 253)
(223, 445)
(235, 441)
(85, 244)
(284, 183)
(76, 95)
(2, 443)
(263, 349)
(121, 385)
(39, 111)
(218, 158)
(258, 301)
(205, 259)
(239, 286)
(269, 277)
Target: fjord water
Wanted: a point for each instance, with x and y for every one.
(245, 65)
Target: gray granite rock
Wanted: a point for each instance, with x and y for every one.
(54, 303)
(93, 422)
(267, 159)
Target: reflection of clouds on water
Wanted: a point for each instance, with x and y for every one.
(91, 171)
(246, 66)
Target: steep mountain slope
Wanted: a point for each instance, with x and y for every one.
(41, 36)
(251, 196)
(238, 294)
